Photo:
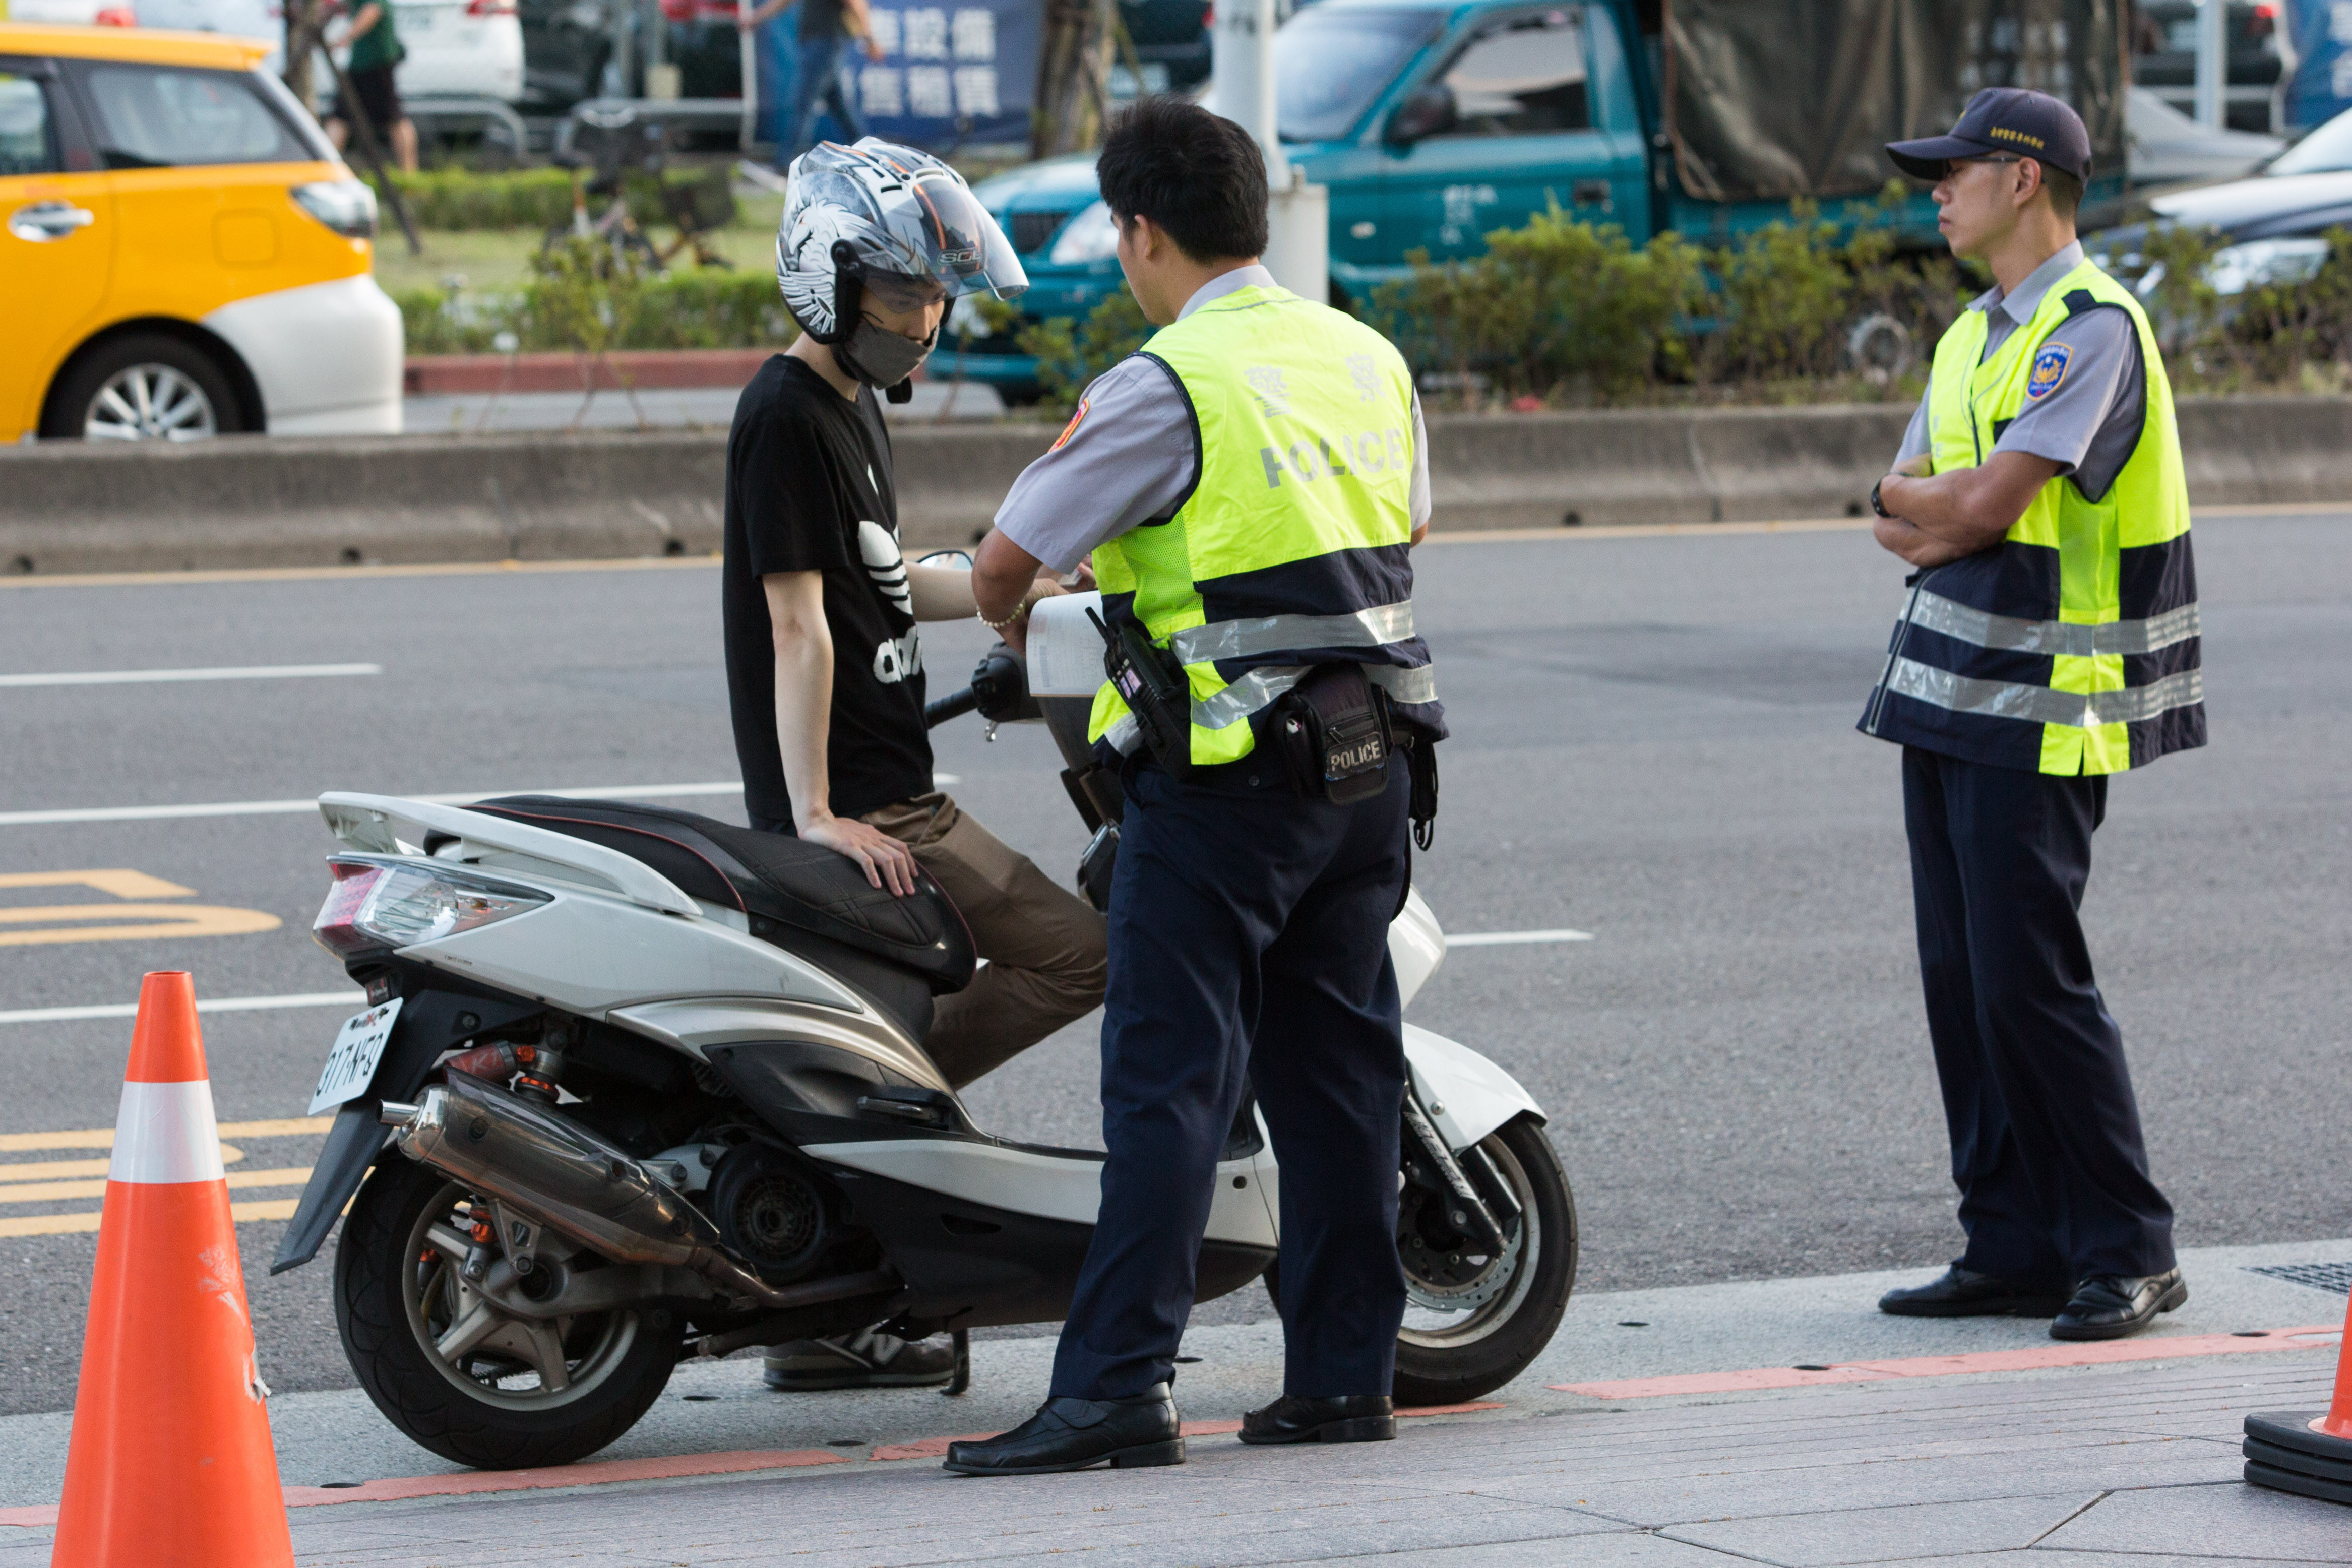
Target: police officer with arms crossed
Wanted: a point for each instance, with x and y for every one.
(2049, 640)
(1249, 486)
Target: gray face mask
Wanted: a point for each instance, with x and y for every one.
(881, 358)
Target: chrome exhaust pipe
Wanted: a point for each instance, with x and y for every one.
(555, 1171)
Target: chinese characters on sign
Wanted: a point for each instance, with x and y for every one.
(949, 74)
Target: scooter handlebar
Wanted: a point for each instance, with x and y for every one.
(955, 705)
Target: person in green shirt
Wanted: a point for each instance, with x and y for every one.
(375, 46)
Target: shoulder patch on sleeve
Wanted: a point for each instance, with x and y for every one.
(1072, 428)
(2048, 369)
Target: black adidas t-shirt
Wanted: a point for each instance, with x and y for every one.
(809, 490)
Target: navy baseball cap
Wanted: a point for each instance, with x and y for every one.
(2003, 120)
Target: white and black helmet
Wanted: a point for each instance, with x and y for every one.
(887, 218)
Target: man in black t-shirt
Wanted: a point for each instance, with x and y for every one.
(825, 665)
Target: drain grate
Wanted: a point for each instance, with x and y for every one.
(2336, 1277)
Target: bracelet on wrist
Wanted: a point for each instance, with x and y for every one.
(1028, 602)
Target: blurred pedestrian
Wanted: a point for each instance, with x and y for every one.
(2050, 640)
(376, 50)
(827, 27)
(777, 44)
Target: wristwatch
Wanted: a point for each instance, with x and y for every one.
(1876, 504)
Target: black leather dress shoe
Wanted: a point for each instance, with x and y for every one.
(1965, 1293)
(1349, 1418)
(2109, 1306)
(1077, 1434)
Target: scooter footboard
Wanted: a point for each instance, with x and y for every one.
(1466, 1095)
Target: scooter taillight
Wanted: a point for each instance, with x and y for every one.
(375, 906)
(337, 929)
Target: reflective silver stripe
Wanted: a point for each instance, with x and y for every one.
(2040, 705)
(2007, 634)
(1247, 696)
(1261, 687)
(1371, 628)
(1417, 684)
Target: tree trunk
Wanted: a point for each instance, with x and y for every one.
(1073, 77)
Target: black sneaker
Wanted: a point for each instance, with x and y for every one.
(863, 1360)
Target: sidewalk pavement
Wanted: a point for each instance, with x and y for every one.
(711, 408)
(1577, 1462)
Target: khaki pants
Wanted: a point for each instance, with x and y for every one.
(1048, 957)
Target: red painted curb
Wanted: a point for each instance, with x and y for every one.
(443, 375)
(2032, 1359)
(605, 1472)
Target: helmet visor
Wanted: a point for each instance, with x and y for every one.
(945, 229)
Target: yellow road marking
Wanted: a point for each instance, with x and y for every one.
(59, 1191)
(69, 1224)
(59, 1170)
(103, 1137)
(118, 881)
(164, 920)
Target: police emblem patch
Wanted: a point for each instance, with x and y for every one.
(2048, 369)
(1072, 428)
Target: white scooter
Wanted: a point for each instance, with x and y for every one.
(660, 1088)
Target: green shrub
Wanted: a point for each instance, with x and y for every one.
(462, 199)
(1569, 312)
(570, 303)
(541, 198)
(1556, 306)
(1069, 357)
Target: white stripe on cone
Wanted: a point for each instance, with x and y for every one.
(165, 1133)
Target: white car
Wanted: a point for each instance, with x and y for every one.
(72, 13)
(459, 48)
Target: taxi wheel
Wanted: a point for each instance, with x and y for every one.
(143, 387)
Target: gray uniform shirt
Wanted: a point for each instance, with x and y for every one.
(1129, 457)
(2090, 421)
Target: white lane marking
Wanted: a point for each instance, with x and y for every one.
(1513, 938)
(164, 1134)
(217, 1005)
(289, 808)
(219, 673)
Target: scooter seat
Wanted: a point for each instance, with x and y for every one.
(774, 879)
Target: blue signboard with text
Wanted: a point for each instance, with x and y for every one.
(961, 72)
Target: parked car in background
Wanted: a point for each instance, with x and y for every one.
(182, 253)
(2164, 57)
(2167, 147)
(73, 13)
(458, 48)
(1434, 124)
(2276, 222)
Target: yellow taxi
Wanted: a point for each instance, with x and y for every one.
(183, 253)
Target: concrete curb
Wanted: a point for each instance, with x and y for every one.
(248, 503)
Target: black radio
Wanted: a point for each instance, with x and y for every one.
(1152, 684)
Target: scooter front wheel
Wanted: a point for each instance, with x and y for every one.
(456, 1374)
(1475, 1319)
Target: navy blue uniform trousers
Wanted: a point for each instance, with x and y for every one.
(2046, 1147)
(1249, 943)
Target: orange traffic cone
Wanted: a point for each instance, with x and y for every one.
(170, 1462)
(2305, 1451)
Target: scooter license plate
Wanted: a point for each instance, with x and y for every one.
(351, 1065)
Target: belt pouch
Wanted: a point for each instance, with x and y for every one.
(1333, 731)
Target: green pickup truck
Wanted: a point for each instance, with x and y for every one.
(1434, 124)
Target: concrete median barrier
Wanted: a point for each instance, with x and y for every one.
(264, 503)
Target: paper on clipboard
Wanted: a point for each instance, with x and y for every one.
(1065, 652)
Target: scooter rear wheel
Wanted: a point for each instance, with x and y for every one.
(498, 1393)
(1475, 1323)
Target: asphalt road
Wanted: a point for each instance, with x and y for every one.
(1653, 743)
